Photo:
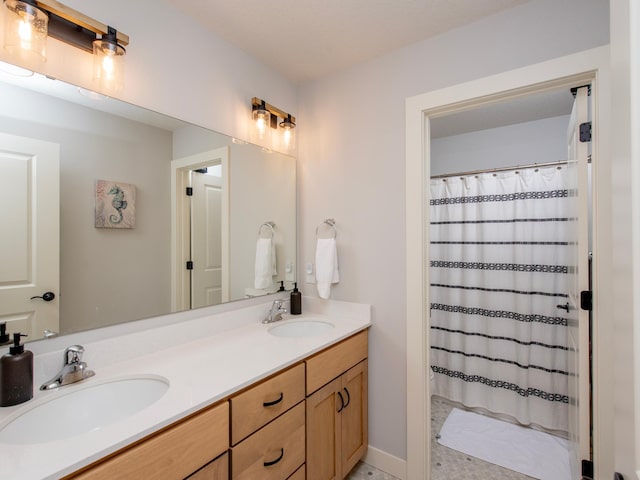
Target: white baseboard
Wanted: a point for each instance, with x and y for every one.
(386, 462)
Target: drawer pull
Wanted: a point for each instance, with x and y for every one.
(341, 402)
(275, 402)
(268, 464)
(348, 398)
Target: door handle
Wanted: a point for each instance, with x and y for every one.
(46, 296)
(564, 307)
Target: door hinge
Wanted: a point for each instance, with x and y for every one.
(586, 300)
(189, 191)
(189, 265)
(587, 470)
(585, 132)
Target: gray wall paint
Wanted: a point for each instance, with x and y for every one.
(352, 166)
(525, 143)
(98, 266)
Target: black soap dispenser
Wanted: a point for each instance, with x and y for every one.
(4, 336)
(295, 303)
(16, 374)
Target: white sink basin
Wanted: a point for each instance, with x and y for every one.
(300, 328)
(67, 413)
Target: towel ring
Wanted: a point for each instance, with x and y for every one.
(332, 223)
(266, 224)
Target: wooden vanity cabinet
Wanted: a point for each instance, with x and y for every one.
(307, 422)
(337, 427)
(218, 469)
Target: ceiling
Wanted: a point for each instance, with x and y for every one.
(529, 108)
(306, 39)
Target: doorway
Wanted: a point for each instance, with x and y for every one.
(200, 230)
(507, 225)
(586, 67)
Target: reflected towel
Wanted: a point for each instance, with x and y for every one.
(326, 266)
(265, 263)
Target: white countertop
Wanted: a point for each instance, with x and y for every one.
(200, 372)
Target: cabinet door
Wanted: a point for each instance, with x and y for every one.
(323, 433)
(354, 416)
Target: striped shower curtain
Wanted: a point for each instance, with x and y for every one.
(499, 256)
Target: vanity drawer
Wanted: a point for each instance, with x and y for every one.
(259, 405)
(301, 474)
(173, 453)
(334, 361)
(275, 451)
(216, 470)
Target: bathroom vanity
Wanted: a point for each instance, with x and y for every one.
(280, 401)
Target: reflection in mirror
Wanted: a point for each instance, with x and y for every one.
(181, 251)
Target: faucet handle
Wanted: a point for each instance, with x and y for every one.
(73, 354)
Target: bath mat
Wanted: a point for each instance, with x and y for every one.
(524, 450)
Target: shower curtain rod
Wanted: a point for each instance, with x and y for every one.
(499, 169)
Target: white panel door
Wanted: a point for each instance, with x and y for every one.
(30, 240)
(579, 362)
(206, 240)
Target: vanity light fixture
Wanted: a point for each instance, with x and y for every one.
(266, 130)
(25, 30)
(29, 22)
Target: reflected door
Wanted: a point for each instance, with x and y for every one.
(206, 240)
(29, 244)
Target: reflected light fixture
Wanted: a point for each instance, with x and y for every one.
(28, 23)
(266, 130)
(25, 30)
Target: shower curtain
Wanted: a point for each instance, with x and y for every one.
(499, 254)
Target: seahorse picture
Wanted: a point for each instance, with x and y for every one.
(115, 204)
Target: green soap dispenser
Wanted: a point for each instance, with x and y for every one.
(16, 374)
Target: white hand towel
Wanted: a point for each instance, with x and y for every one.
(264, 263)
(326, 266)
(274, 260)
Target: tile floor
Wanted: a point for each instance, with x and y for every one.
(363, 471)
(446, 464)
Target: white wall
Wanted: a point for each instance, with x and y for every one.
(352, 165)
(524, 143)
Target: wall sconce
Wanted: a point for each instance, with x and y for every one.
(266, 130)
(29, 22)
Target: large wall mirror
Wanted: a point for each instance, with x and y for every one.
(123, 214)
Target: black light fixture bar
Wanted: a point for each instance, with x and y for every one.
(68, 32)
(275, 111)
(75, 28)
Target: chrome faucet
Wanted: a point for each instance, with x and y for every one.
(73, 369)
(276, 312)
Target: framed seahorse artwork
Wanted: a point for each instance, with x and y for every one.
(115, 204)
